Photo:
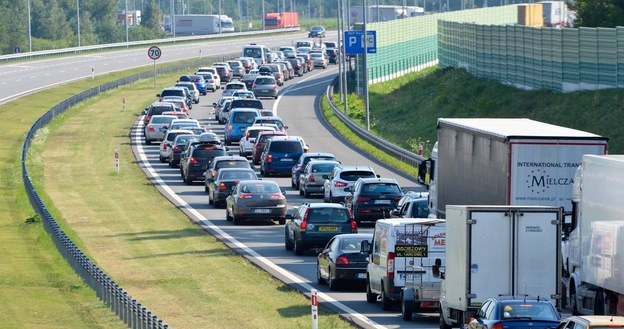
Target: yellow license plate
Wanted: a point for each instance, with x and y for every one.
(328, 229)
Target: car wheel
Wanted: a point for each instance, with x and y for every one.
(300, 192)
(370, 296)
(188, 181)
(386, 303)
(238, 220)
(227, 216)
(288, 245)
(282, 221)
(275, 97)
(162, 159)
(407, 309)
(332, 283)
(297, 184)
(292, 182)
(306, 194)
(207, 190)
(298, 247)
(319, 278)
(147, 141)
(171, 165)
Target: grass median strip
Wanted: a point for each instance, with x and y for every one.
(149, 247)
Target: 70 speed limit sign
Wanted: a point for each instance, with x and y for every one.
(154, 52)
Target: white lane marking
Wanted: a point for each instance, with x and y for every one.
(293, 88)
(207, 224)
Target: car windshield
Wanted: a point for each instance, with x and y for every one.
(528, 310)
(381, 188)
(328, 215)
(252, 52)
(260, 188)
(352, 176)
(287, 147)
(244, 117)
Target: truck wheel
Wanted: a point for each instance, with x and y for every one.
(407, 309)
(443, 324)
(370, 296)
(599, 308)
(573, 304)
(386, 303)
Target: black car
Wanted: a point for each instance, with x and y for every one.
(371, 199)
(298, 168)
(178, 146)
(316, 32)
(196, 159)
(297, 66)
(341, 260)
(516, 312)
(314, 224)
(332, 55)
(225, 74)
(220, 188)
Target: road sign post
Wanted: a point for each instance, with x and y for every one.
(154, 53)
(117, 161)
(314, 304)
(354, 42)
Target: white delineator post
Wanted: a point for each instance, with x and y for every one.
(314, 303)
(123, 104)
(116, 161)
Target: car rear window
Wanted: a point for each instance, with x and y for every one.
(323, 167)
(286, 147)
(163, 119)
(208, 153)
(232, 164)
(352, 176)
(328, 215)
(181, 139)
(254, 133)
(244, 117)
(235, 86)
(236, 175)
(308, 159)
(172, 92)
(172, 136)
(351, 244)
(260, 188)
(156, 110)
(381, 188)
(247, 103)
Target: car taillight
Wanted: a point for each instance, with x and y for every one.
(165, 145)
(342, 260)
(362, 199)
(176, 148)
(276, 196)
(304, 223)
(222, 187)
(151, 128)
(245, 196)
(396, 199)
(353, 225)
(311, 178)
(247, 134)
(269, 158)
(340, 184)
(253, 86)
(229, 128)
(497, 325)
(390, 266)
(300, 168)
(193, 161)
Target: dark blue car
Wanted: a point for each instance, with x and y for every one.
(516, 312)
(280, 154)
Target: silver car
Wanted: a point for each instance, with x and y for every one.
(265, 86)
(157, 127)
(319, 60)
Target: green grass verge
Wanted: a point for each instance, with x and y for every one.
(184, 275)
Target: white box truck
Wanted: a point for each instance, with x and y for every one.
(499, 250)
(202, 24)
(595, 260)
(406, 258)
(482, 161)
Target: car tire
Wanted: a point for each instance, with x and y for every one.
(306, 194)
(298, 247)
(188, 181)
(207, 190)
(370, 296)
(237, 220)
(319, 278)
(288, 245)
(162, 159)
(282, 221)
(171, 165)
(386, 303)
(227, 216)
(407, 309)
(300, 192)
(275, 97)
(292, 183)
(148, 142)
(332, 283)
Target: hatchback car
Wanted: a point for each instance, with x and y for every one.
(516, 312)
(319, 60)
(276, 71)
(237, 123)
(178, 92)
(265, 86)
(196, 159)
(156, 108)
(343, 177)
(316, 32)
(220, 187)
(231, 87)
(261, 139)
(341, 261)
(157, 127)
(248, 63)
(200, 83)
(301, 164)
(313, 176)
(248, 79)
(225, 73)
(247, 142)
(279, 155)
(166, 146)
(269, 120)
(237, 68)
(256, 200)
(190, 86)
(314, 224)
(226, 161)
(332, 55)
(177, 147)
(373, 198)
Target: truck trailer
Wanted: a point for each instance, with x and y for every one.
(202, 24)
(281, 20)
(595, 260)
(496, 251)
(505, 162)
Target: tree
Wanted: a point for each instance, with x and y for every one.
(151, 19)
(599, 13)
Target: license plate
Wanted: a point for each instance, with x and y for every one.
(361, 276)
(262, 211)
(288, 160)
(410, 276)
(382, 201)
(328, 228)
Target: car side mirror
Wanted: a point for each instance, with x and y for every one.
(144, 112)
(214, 104)
(378, 176)
(394, 212)
(365, 247)
(289, 216)
(283, 191)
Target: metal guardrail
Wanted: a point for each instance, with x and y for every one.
(76, 50)
(406, 156)
(128, 309)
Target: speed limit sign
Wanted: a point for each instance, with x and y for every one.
(154, 52)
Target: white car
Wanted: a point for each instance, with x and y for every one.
(343, 177)
(246, 143)
(232, 87)
(167, 142)
(191, 88)
(214, 72)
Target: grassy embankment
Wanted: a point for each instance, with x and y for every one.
(405, 110)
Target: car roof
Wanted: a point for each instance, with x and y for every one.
(286, 138)
(315, 162)
(354, 168)
(228, 157)
(378, 180)
(317, 154)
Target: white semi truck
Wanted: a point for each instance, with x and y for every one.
(499, 250)
(202, 24)
(595, 261)
(505, 162)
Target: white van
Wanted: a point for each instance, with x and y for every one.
(406, 258)
(260, 53)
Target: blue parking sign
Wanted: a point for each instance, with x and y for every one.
(354, 42)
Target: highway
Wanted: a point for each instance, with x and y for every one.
(261, 243)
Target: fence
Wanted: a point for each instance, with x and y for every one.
(563, 60)
(129, 310)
